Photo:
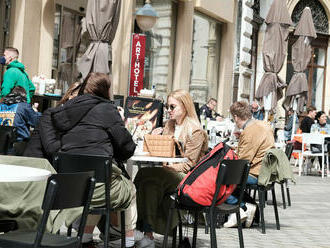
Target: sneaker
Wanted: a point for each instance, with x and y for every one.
(146, 242)
(232, 222)
(138, 235)
(250, 212)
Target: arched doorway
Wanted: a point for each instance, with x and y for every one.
(317, 67)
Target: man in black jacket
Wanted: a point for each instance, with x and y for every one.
(207, 109)
(308, 121)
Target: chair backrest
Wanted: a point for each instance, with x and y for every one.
(63, 191)
(232, 172)
(7, 137)
(289, 150)
(68, 163)
(312, 138)
(101, 165)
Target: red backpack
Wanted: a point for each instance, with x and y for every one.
(198, 186)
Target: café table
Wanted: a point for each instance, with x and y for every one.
(16, 173)
(21, 200)
(150, 161)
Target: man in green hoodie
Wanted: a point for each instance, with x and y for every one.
(15, 74)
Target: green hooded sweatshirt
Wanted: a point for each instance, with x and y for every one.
(15, 75)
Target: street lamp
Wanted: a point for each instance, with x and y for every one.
(146, 17)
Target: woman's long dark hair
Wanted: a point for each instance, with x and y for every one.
(97, 84)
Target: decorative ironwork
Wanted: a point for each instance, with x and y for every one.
(319, 15)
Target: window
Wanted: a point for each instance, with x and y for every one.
(67, 47)
(159, 47)
(205, 58)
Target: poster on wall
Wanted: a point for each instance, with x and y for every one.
(137, 64)
(142, 115)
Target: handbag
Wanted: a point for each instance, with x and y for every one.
(162, 146)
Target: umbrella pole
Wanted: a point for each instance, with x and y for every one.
(266, 115)
(294, 123)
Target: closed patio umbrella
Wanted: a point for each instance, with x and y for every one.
(102, 17)
(274, 52)
(297, 90)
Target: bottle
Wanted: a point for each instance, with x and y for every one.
(314, 127)
(202, 118)
(213, 137)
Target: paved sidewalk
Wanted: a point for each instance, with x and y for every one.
(305, 224)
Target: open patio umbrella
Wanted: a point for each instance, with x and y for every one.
(274, 52)
(297, 90)
(102, 17)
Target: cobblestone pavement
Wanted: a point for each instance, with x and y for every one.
(305, 224)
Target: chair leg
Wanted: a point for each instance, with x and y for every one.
(195, 229)
(283, 195)
(261, 209)
(275, 209)
(288, 193)
(239, 229)
(122, 231)
(174, 237)
(206, 216)
(107, 229)
(212, 230)
(168, 224)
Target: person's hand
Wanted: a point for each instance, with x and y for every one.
(237, 134)
(157, 131)
(121, 112)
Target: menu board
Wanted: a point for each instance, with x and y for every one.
(142, 115)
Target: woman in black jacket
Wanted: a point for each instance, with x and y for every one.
(90, 124)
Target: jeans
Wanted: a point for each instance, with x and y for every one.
(232, 200)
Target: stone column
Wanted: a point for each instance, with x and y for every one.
(183, 43)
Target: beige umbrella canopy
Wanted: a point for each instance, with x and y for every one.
(102, 17)
(301, 55)
(274, 51)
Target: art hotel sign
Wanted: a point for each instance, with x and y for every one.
(137, 64)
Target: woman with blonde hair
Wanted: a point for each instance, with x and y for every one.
(154, 185)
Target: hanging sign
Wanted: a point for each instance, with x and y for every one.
(137, 64)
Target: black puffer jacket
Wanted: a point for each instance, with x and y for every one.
(89, 125)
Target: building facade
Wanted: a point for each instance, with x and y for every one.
(211, 48)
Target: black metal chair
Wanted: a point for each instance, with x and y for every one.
(102, 166)
(288, 152)
(63, 191)
(262, 193)
(230, 172)
(7, 138)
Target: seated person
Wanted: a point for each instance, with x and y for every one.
(35, 147)
(98, 129)
(255, 139)
(308, 121)
(15, 111)
(207, 109)
(257, 112)
(321, 123)
(154, 185)
(289, 125)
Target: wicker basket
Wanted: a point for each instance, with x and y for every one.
(159, 145)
